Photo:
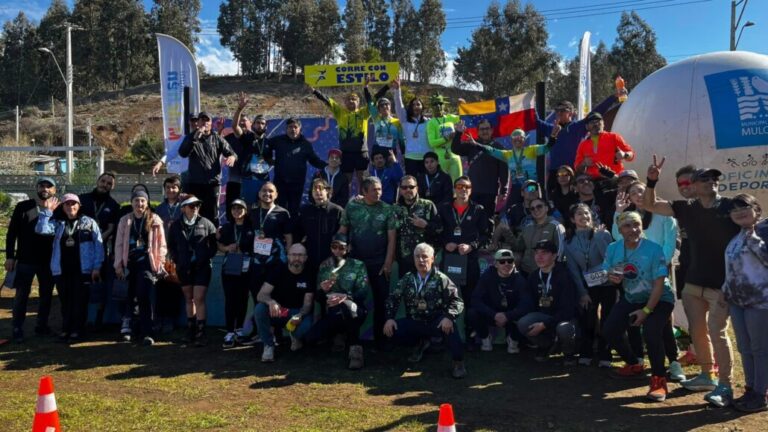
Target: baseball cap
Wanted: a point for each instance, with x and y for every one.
(547, 245)
(594, 116)
(503, 254)
(191, 200)
(629, 173)
(46, 180)
(703, 173)
(334, 151)
(204, 114)
(339, 238)
(240, 203)
(70, 197)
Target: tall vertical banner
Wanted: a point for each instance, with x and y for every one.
(178, 69)
(585, 78)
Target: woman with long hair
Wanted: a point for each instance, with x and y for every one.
(77, 256)
(414, 123)
(585, 247)
(746, 291)
(140, 257)
(544, 227)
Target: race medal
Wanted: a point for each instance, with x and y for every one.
(504, 303)
(422, 305)
(457, 232)
(262, 246)
(258, 234)
(545, 302)
(139, 243)
(260, 167)
(69, 242)
(428, 193)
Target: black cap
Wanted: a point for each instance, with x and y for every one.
(703, 173)
(339, 238)
(564, 106)
(547, 245)
(593, 116)
(204, 114)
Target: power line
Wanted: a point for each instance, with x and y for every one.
(569, 10)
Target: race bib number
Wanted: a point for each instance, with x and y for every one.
(597, 278)
(384, 141)
(262, 246)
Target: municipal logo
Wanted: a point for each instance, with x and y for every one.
(739, 102)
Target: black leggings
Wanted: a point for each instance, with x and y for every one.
(603, 296)
(235, 300)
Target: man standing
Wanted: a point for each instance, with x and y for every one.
(432, 305)
(418, 221)
(372, 229)
(343, 289)
(386, 169)
(317, 223)
(29, 254)
(434, 183)
(489, 176)
(285, 300)
(291, 153)
(100, 206)
(204, 147)
(169, 294)
(601, 147)
(709, 227)
(255, 160)
(499, 301)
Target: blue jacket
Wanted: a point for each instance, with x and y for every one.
(390, 180)
(91, 245)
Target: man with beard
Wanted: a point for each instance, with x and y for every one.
(601, 147)
(29, 254)
(317, 223)
(286, 299)
(418, 222)
(100, 206)
(254, 158)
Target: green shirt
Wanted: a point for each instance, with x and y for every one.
(439, 129)
(437, 291)
(352, 126)
(409, 234)
(351, 278)
(367, 229)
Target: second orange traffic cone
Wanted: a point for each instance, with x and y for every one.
(446, 423)
(46, 414)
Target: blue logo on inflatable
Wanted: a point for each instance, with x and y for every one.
(739, 100)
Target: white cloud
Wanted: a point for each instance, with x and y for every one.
(574, 42)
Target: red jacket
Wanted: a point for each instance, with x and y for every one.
(606, 152)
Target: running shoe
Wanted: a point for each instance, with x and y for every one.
(675, 371)
(721, 396)
(658, 390)
(701, 382)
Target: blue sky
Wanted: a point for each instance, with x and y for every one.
(683, 27)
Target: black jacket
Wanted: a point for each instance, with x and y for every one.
(440, 188)
(197, 241)
(339, 187)
(488, 174)
(486, 297)
(251, 145)
(22, 243)
(291, 157)
(204, 153)
(318, 224)
(563, 292)
(474, 225)
(105, 212)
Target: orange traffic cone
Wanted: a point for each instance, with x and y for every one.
(445, 422)
(46, 415)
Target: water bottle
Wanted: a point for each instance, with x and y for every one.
(621, 89)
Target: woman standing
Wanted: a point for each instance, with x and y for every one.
(564, 195)
(236, 242)
(140, 257)
(77, 256)
(191, 245)
(414, 125)
(544, 227)
(585, 252)
(638, 265)
(746, 291)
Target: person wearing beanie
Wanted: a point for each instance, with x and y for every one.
(78, 253)
(388, 132)
(140, 251)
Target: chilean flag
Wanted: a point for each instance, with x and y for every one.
(505, 114)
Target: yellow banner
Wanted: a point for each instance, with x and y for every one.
(350, 74)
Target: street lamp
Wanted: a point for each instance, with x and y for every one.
(70, 110)
(746, 24)
(735, 21)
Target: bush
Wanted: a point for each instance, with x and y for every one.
(148, 148)
(5, 203)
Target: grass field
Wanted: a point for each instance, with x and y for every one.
(103, 385)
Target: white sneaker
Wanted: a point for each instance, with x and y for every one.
(126, 327)
(296, 343)
(585, 361)
(486, 344)
(512, 346)
(268, 355)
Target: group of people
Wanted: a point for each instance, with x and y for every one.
(581, 269)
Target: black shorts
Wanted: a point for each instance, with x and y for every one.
(194, 276)
(354, 161)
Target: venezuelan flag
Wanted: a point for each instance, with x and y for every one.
(505, 114)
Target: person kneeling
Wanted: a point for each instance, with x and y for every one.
(344, 287)
(552, 303)
(285, 300)
(432, 304)
(497, 301)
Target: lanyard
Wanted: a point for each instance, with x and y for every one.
(138, 231)
(330, 177)
(238, 234)
(427, 180)
(259, 143)
(626, 258)
(518, 157)
(70, 231)
(546, 287)
(421, 282)
(456, 216)
(584, 250)
(172, 209)
(97, 210)
(416, 131)
(263, 217)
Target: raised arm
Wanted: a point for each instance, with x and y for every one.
(242, 101)
(650, 202)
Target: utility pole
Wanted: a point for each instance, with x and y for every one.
(70, 106)
(736, 21)
(17, 125)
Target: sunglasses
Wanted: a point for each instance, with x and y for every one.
(707, 179)
(407, 187)
(538, 207)
(505, 261)
(531, 188)
(463, 187)
(684, 183)
(563, 174)
(584, 181)
(337, 246)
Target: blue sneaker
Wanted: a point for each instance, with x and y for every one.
(701, 382)
(676, 372)
(721, 396)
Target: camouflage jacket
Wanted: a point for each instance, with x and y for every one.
(439, 292)
(368, 228)
(410, 235)
(351, 278)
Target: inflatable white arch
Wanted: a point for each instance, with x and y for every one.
(711, 111)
